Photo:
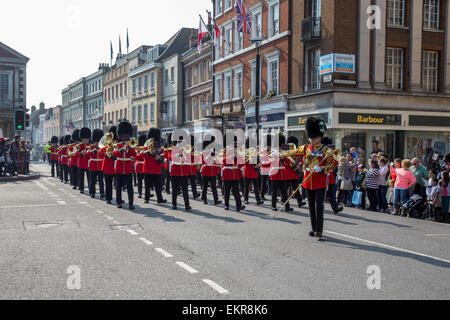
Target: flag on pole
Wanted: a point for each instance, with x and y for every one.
(202, 32)
(244, 21)
(128, 41)
(216, 33)
(112, 52)
(120, 46)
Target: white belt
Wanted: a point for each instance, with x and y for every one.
(63, 156)
(279, 168)
(124, 159)
(140, 162)
(230, 168)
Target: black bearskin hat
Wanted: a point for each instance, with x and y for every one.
(282, 140)
(268, 138)
(54, 140)
(327, 141)
(125, 130)
(67, 139)
(61, 141)
(142, 139)
(207, 143)
(293, 140)
(169, 139)
(85, 133)
(75, 135)
(192, 141)
(154, 133)
(97, 135)
(315, 127)
(447, 158)
(113, 130)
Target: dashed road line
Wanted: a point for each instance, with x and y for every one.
(109, 218)
(147, 242)
(38, 205)
(215, 286)
(99, 211)
(186, 267)
(132, 232)
(164, 253)
(61, 202)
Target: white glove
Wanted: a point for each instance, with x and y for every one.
(318, 169)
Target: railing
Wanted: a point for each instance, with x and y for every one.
(311, 28)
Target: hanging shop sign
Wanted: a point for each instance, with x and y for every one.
(299, 121)
(337, 63)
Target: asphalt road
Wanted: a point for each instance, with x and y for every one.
(52, 236)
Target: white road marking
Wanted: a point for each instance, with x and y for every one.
(186, 267)
(438, 235)
(109, 218)
(164, 253)
(54, 195)
(146, 241)
(390, 247)
(132, 232)
(215, 286)
(62, 202)
(82, 202)
(100, 211)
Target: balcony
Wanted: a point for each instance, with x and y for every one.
(311, 29)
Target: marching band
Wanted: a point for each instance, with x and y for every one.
(111, 159)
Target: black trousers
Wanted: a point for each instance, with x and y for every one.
(64, 173)
(232, 186)
(281, 186)
(54, 163)
(264, 185)
(153, 180)
(74, 176)
(94, 175)
(109, 186)
(58, 169)
(255, 183)
(178, 182)
(294, 184)
(140, 179)
(193, 183)
(331, 194)
(209, 181)
(168, 180)
(372, 194)
(81, 173)
(316, 199)
(125, 180)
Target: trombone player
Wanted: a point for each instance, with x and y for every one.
(83, 160)
(73, 162)
(108, 165)
(95, 160)
(153, 164)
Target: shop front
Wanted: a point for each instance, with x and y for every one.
(403, 134)
(272, 114)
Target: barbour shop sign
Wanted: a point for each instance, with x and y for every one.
(299, 121)
(371, 119)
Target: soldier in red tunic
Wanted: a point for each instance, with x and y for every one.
(209, 171)
(167, 160)
(153, 164)
(59, 167)
(231, 173)
(95, 162)
(293, 171)
(179, 172)
(139, 163)
(279, 177)
(74, 160)
(65, 159)
(316, 186)
(331, 182)
(108, 166)
(83, 160)
(124, 164)
(192, 176)
(265, 167)
(251, 175)
(54, 155)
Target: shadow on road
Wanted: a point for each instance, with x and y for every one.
(343, 215)
(151, 212)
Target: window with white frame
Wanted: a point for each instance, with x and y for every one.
(5, 87)
(140, 84)
(238, 83)
(188, 110)
(145, 112)
(239, 39)
(257, 22)
(274, 18)
(172, 113)
(431, 14)
(139, 113)
(228, 5)
(152, 80)
(273, 74)
(166, 77)
(194, 74)
(134, 87)
(133, 114)
(219, 47)
(227, 93)
(430, 70)
(218, 7)
(202, 72)
(145, 82)
(203, 110)
(152, 111)
(316, 8)
(195, 107)
(313, 70)
(188, 79)
(172, 74)
(228, 42)
(395, 13)
(394, 68)
(218, 88)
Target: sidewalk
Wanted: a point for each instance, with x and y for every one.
(31, 176)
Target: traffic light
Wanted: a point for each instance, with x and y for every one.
(19, 120)
(27, 120)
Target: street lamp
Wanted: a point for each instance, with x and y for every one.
(257, 42)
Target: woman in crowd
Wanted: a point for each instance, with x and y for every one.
(404, 180)
(345, 182)
(372, 184)
(445, 192)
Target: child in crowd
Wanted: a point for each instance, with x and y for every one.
(360, 185)
(390, 196)
(434, 198)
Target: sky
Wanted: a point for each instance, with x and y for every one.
(67, 39)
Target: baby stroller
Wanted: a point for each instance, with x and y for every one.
(415, 207)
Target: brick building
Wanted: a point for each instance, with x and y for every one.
(13, 67)
(235, 64)
(389, 83)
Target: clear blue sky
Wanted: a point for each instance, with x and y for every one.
(67, 39)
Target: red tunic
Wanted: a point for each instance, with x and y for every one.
(167, 159)
(151, 165)
(95, 160)
(82, 160)
(139, 163)
(278, 170)
(124, 161)
(108, 166)
(72, 159)
(318, 179)
(230, 172)
(290, 173)
(209, 169)
(179, 166)
(250, 172)
(54, 154)
(64, 156)
(192, 167)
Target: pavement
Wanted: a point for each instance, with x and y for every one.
(59, 244)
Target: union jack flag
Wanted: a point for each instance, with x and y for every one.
(244, 21)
